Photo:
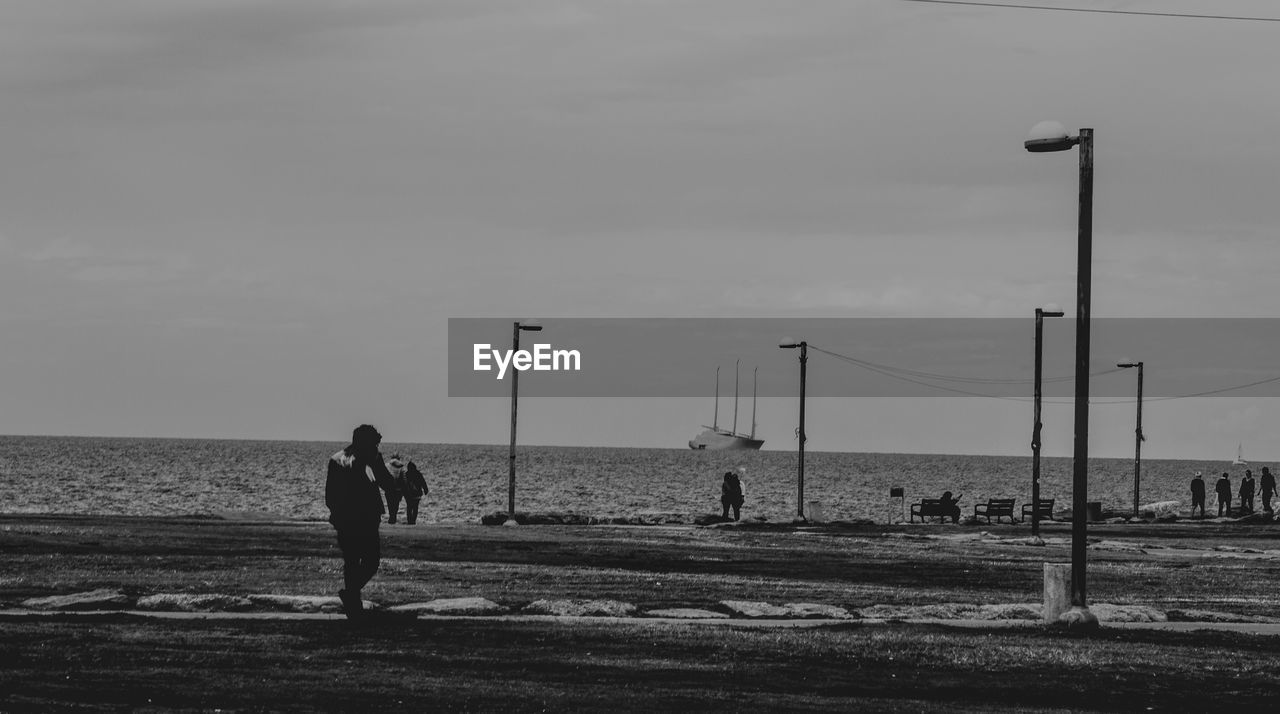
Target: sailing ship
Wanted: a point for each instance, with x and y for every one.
(716, 438)
(1239, 456)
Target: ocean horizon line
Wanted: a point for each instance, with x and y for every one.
(1146, 458)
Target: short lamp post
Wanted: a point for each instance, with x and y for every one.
(1138, 438)
(1041, 313)
(515, 393)
(1050, 136)
(790, 344)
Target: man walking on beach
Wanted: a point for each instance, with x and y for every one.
(1268, 488)
(1246, 491)
(355, 509)
(1197, 495)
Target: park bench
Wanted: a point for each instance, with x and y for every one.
(1043, 509)
(996, 508)
(929, 508)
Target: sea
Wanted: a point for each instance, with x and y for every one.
(285, 479)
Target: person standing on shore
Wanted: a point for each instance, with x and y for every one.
(1246, 491)
(1223, 490)
(414, 487)
(351, 492)
(731, 495)
(1268, 488)
(396, 467)
(1197, 494)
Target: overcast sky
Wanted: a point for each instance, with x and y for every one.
(224, 218)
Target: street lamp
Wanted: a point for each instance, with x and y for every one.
(1138, 438)
(515, 391)
(790, 344)
(1050, 136)
(1041, 313)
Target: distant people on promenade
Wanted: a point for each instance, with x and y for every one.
(1247, 491)
(414, 487)
(1268, 489)
(355, 475)
(395, 465)
(1197, 494)
(950, 507)
(732, 495)
(1222, 489)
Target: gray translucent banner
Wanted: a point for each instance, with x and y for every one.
(861, 357)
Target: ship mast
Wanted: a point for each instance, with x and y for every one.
(715, 419)
(755, 380)
(735, 397)
(716, 416)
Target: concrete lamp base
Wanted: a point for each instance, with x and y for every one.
(1079, 619)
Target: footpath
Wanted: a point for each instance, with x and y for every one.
(111, 604)
(1250, 628)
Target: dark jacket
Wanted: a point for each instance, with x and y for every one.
(731, 490)
(1268, 483)
(1246, 487)
(1197, 487)
(413, 484)
(351, 490)
(1223, 489)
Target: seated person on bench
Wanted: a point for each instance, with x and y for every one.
(950, 507)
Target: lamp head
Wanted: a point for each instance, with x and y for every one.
(788, 343)
(1050, 310)
(530, 325)
(1049, 136)
(1126, 364)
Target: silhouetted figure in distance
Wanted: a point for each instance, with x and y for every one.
(1197, 495)
(1268, 488)
(414, 487)
(950, 507)
(1247, 491)
(731, 495)
(396, 467)
(1223, 491)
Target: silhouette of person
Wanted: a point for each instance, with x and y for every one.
(1246, 491)
(1223, 490)
(414, 487)
(731, 495)
(950, 507)
(1268, 488)
(396, 467)
(355, 509)
(1197, 494)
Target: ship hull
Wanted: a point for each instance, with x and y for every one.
(721, 441)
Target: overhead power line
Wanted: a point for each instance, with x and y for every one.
(928, 379)
(918, 377)
(1099, 11)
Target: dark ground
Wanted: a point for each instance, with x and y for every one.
(121, 662)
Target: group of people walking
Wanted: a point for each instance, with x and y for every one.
(1226, 496)
(407, 483)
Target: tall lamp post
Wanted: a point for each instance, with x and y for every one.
(1041, 313)
(515, 392)
(1138, 438)
(790, 344)
(1045, 137)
